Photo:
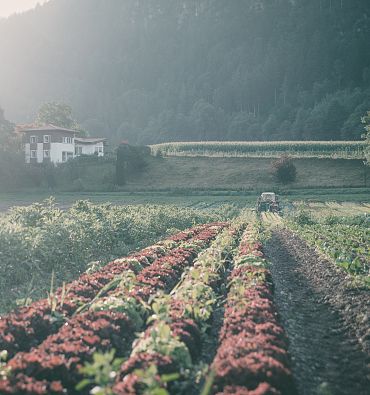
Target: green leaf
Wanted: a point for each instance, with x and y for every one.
(82, 384)
(159, 391)
(209, 382)
(170, 377)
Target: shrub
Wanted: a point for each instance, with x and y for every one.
(283, 170)
(303, 217)
(130, 161)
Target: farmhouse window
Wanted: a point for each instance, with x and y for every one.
(46, 139)
(67, 140)
(46, 153)
(78, 150)
(98, 149)
(33, 154)
(33, 140)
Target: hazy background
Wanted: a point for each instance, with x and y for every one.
(9, 7)
(162, 70)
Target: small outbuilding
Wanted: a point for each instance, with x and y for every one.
(89, 146)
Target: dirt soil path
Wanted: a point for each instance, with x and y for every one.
(328, 324)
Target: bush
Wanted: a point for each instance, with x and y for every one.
(303, 217)
(130, 161)
(283, 170)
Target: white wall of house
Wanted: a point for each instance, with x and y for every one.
(61, 152)
(27, 152)
(40, 153)
(57, 149)
(90, 149)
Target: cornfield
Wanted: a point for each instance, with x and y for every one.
(304, 149)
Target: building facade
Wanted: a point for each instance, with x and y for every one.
(54, 144)
(89, 146)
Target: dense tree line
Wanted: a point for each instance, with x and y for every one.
(12, 170)
(366, 121)
(6, 129)
(162, 70)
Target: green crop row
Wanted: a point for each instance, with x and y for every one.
(338, 149)
(346, 245)
(175, 329)
(40, 239)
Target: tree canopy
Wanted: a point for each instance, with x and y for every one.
(366, 135)
(6, 130)
(165, 70)
(58, 114)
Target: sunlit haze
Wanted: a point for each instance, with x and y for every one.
(9, 7)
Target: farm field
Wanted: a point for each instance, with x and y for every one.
(191, 175)
(246, 174)
(318, 197)
(347, 244)
(185, 197)
(268, 149)
(233, 306)
(322, 294)
(41, 242)
(65, 200)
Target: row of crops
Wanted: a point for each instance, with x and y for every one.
(41, 239)
(347, 245)
(142, 324)
(323, 149)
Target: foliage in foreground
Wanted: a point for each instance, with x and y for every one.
(344, 240)
(53, 365)
(39, 239)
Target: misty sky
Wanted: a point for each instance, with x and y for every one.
(8, 7)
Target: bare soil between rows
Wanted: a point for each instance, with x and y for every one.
(326, 320)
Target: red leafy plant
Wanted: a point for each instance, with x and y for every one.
(29, 326)
(252, 356)
(58, 359)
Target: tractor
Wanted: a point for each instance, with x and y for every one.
(268, 202)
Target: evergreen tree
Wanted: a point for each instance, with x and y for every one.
(197, 69)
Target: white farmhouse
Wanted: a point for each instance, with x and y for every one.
(57, 145)
(89, 146)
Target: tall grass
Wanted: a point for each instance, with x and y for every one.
(306, 149)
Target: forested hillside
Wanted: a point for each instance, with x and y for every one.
(162, 70)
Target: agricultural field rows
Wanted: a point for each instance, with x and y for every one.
(344, 241)
(299, 149)
(41, 240)
(140, 324)
(30, 325)
(172, 342)
(196, 313)
(109, 320)
(252, 356)
(323, 209)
